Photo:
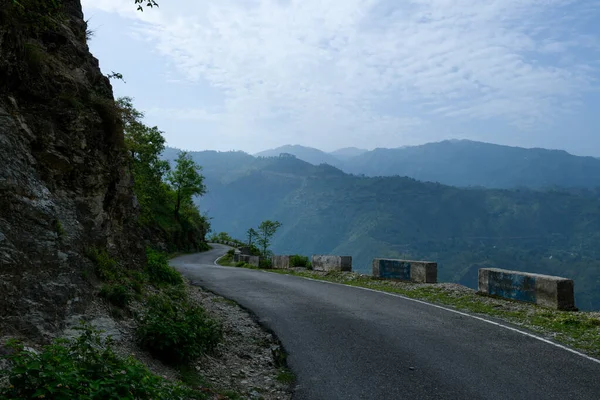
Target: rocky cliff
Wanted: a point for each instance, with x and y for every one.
(64, 183)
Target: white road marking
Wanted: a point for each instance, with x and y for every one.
(510, 328)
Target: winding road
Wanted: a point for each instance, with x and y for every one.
(348, 343)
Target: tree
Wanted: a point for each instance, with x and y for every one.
(144, 145)
(251, 233)
(186, 180)
(149, 3)
(266, 231)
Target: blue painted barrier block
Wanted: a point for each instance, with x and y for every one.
(415, 271)
(512, 286)
(543, 290)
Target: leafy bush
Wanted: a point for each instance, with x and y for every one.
(265, 263)
(106, 268)
(177, 332)
(159, 270)
(299, 261)
(231, 253)
(116, 294)
(85, 368)
(240, 264)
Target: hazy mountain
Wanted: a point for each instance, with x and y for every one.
(325, 211)
(461, 163)
(467, 163)
(308, 154)
(347, 153)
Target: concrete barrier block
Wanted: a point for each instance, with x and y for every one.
(544, 290)
(280, 262)
(332, 263)
(253, 260)
(414, 271)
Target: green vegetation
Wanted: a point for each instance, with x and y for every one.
(169, 325)
(576, 329)
(251, 234)
(148, 3)
(95, 373)
(165, 196)
(58, 228)
(35, 56)
(266, 231)
(36, 17)
(117, 295)
(286, 377)
(186, 181)
(159, 271)
(298, 261)
(176, 331)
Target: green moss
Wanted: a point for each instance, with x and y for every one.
(35, 56)
(58, 228)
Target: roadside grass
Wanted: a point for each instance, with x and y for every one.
(226, 261)
(286, 377)
(578, 330)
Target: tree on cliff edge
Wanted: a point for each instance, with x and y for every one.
(186, 181)
(266, 230)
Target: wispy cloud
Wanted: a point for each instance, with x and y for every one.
(352, 67)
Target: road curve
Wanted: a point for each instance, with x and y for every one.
(347, 343)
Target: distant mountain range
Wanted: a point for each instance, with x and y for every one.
(461, 163)
(327, 211)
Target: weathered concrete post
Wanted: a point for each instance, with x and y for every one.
(332, 263)
(544, 290)
(415, 271)
(280, 262)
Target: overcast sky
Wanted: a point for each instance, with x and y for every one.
(256, 74)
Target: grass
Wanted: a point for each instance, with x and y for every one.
(286, 377)
(226, 261)
(578, 330)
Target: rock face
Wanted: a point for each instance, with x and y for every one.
(64, 183)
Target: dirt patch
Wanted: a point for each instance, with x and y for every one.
(250, 360)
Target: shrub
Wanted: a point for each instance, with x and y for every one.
(231, 253)
(265, 263)
(106, 268)
(159, 270)
(84, 368)
(299, 261)
(177, 332)
(116, 294)
(240, 264)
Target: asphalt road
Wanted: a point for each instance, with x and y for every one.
(348, 343)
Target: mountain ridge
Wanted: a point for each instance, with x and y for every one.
(464, 163)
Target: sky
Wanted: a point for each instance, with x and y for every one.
(257, 74)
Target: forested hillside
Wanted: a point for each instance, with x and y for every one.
(324, 210)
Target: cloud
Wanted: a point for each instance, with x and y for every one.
(351, 67)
